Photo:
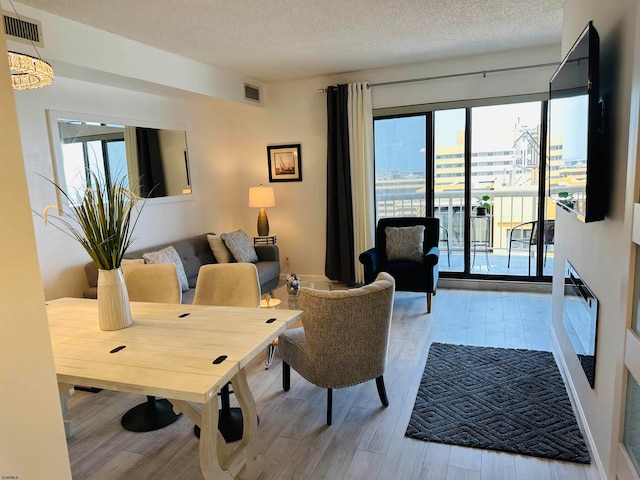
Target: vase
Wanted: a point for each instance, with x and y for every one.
(114, 311)
(293, 286)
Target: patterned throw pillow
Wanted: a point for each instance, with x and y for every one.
(404, 243)
(219, 249)
(240, 246)
(169, 255)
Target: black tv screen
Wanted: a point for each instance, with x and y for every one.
(575, 167)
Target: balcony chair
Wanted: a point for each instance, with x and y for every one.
(343, 340)
(530, 237)
(410, 254)
(445, 238)
(156, 283)
(228, 285)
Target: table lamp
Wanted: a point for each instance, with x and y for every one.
(262, 197)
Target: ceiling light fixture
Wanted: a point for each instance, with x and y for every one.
(29, 72)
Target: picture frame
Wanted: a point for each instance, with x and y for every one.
(285, 163)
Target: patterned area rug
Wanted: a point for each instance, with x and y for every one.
(496, 399)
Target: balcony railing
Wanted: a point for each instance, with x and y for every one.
(509, 207)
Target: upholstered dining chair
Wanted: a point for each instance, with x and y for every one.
(406, 248)
(343, 340)
(228, 285)
(156, 283)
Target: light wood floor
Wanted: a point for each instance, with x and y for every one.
(365, 441)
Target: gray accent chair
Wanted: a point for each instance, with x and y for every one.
(344, 338)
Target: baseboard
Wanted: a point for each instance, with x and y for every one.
(494, 285)
(564, 371)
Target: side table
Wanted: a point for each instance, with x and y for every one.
(266, 240)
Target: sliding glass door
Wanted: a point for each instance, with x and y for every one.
(478, 169)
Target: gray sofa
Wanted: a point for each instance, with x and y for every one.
(195, 252)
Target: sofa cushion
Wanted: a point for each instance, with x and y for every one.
(169, 255)
(240, 246)
(219, 249)
(404, 243)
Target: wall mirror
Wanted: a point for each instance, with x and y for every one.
(580, 320)
(152, 159)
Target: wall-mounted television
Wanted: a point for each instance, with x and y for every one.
(576, 167)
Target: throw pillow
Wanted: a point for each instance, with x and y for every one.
(219, 249)
(169, 255)
(404, 243)
(240, 246)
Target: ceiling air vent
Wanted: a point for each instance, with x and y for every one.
(251, 93)
(23, 29)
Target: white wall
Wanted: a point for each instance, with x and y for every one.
(207, 209)
(600, 251)
(32, 443)
(295, 112)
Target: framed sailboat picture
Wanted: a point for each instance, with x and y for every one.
(285, 163)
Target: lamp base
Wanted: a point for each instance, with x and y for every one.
(263, 223)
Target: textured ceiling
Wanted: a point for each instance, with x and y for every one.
(273, 40)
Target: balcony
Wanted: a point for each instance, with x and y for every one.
(489, 250)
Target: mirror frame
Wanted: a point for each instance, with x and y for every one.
(55, 143)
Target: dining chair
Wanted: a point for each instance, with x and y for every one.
(343, 340)
(156, 283)
(228, 285)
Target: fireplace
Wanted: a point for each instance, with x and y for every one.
(580, 320)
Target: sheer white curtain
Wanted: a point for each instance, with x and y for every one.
(362, 180)
(131, 146)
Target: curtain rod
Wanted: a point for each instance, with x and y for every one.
(455, 75)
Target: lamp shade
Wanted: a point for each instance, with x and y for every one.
(261, 197)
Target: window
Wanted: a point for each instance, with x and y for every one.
(443, 163)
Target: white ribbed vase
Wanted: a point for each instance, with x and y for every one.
(114, 311)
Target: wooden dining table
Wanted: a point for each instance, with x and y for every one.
(185, 353)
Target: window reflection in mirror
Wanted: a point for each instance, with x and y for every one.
(152, 161)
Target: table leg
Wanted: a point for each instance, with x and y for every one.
(216, 458)
(271, 350)
(253, 463)
(209, 457)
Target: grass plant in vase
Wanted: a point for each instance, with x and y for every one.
(102, 219)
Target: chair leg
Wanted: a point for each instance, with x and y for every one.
(286, 376)
(509, 256)
(382, 393)
(428, 302)
(329, 404)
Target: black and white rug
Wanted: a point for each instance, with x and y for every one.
(502, 399)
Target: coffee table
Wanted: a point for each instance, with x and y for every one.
(281, 299)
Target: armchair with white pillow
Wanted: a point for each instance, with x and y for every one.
(407, 249)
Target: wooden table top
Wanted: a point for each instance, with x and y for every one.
(166, 353)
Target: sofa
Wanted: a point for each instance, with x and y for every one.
(195, 252)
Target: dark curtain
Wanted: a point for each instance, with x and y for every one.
(150, 163)
(339, 261)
